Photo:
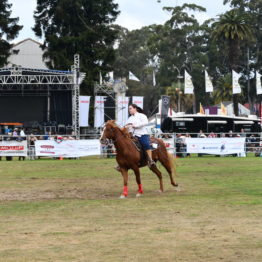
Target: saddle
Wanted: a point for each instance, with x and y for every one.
(143, 154)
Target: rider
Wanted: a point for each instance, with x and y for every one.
(137, 122)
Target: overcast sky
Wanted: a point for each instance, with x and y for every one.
(134, 13)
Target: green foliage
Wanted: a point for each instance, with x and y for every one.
(77, 26)
(9, 29)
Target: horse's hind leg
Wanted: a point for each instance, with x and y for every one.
(159, 175)
(138, 181)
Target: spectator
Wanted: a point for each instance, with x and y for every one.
(242, 133)
(201, 134)
(212, 135)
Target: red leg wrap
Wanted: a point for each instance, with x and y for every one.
(125, 191)
(140, 189)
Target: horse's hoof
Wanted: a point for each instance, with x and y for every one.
(122, 196)
(160, 191)
(139, 194)
(177, 189)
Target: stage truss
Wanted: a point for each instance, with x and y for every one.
(21, 80)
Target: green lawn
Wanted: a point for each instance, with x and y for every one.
(69, 210)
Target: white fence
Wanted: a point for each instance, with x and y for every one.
(180, 145)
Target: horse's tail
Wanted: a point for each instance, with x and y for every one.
(173, 163)
(165, 157)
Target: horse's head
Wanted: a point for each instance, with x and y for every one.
(109, 132)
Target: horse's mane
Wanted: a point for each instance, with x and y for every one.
(123, 130)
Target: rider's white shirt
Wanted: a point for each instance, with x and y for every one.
(139, 122)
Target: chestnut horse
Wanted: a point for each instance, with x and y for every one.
(128, 156)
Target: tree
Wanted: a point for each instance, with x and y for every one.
(233, 28)
(254, 61)
(77, 26)
(9, 30)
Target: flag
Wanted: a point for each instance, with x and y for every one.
(100, 78)
(133, 77)
(110, 75)
(154, 78)
(165, 106)
(208, 83)
(223, 110)
(235, 84)
(201, 110)
(189, 88)
(258, 84)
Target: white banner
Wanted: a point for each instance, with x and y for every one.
(258, 84)
(208, 83)
(122, 110)
(84, 103)
(67, 148)
(170, 144)
(138, 100)
(216, 146)
(99, 111)
(235, 84)
(13, 148)
(189, 88)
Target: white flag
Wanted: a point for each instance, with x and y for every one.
(110, 76)
(189, 88)
(235, 84)
(258, 84)
(100, 78)
(133, 77)
(154, 78)
(208, 83)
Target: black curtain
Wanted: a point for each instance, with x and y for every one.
(61, 107)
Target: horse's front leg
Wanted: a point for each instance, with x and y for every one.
(138, 181)
(124, 173)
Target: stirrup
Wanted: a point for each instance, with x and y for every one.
(151, 163)
(117, 168)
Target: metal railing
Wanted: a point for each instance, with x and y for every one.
(175, 142)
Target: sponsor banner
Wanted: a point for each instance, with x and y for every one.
(122, 110)
(99, 111)
(216, 146)
(84, 102)
(67, 148)
(138, 100)
(13, 148)
(169, 143)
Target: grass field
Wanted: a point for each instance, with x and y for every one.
(69, 210)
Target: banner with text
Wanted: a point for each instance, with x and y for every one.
(216, 146)
(84, 102)
(138, 100)
(122, 110)
(67, 148)
(99, 111)
(13, 148)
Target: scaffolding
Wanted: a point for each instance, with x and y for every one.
(27, 81)
(114, 89)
